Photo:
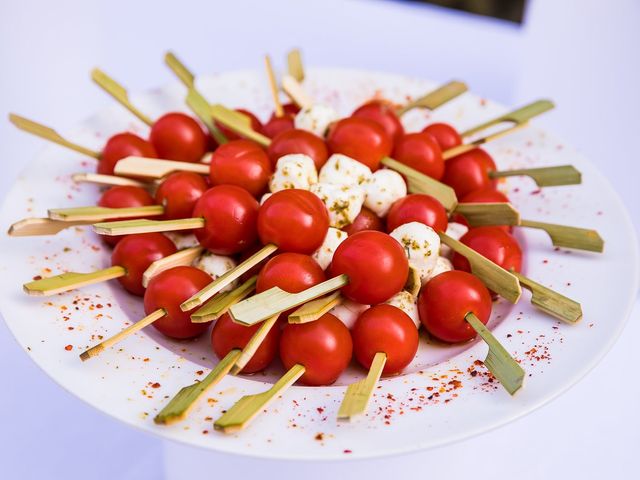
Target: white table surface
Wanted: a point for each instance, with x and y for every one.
(582, 54)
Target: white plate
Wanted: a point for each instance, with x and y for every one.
(438, 401)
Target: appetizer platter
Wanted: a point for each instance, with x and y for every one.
(313, 263)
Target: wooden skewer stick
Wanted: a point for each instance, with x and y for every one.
(467, 147)
(101, 214)
(313, 310)
(70, 281)
(482, 214)
(545, 176)
(111, 180)
(252, 346)
(30, 227)
(294, 64)
(128, 227)
(413, 283)
(249, 406)
(157, 168)
(109, 342)
(180, 69)
(273, 86)
(183, 257)
(222, 302)
(358, 394)
(295, 92)
(118, 92)
(50, 134)
(499, 362)
(518, 116)
(436, 98)
(238, 122)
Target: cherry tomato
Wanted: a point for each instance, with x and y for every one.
(361, 139)
(298, 141)
(469, 171)
(135, 253)
(228, 335)
(231, 135)
(292, 272)
(417, 207)
(167, 290)
(177, 136)
(243, 163)
(494, 243)
(179, 192)
(384, 114)
(366, 220)
(443, 133)
(120, 146)
(387, 329)
(231, 216)
(323, 347)
(294, 220)
(123, 196)
(487, 195)
(376, 265)
(290, 108)
(421, 152)
(445, 300)
(277, 125)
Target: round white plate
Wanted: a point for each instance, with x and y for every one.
(445, 396)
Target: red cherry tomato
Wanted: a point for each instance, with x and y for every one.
(366, 220)
(387, 329)
(417, 207)
(445, 300)
(135, 253)
(168, 290)
(294, 220)
(376, 265)
(486, 195)
(323, 347)
(420, 152)
(469, 171)
(123, 196)
(443, 133)
(228, 335)
(277, 125)
(361, 139)
(298, 141)
(231, 135)
(292, 272)
(179, 192)
(383, 113)
(243, 163)
(494, 243)
(177, 136)
(231, 216)
(291, 108)
(120, 146)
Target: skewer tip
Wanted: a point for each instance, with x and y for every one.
(91, 352)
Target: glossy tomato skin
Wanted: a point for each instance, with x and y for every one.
(294, 220)
(361, 139)
(376, 265)
(384, 114)
(469, 171)
(228, 335)
(487, 195)
(444, 134)
(290, 108)
(417, 207)
(292, 272)
(298, 141)
(277, 125)
(387, 329)
(168, 290)
(135, 253)
(179, 192)
(494, 243)
(445, 300)
(123, 196)
(123, 145)
(366, 220)
(256, 125)
(177, 136)
(323, 347)
(231, 215)
(242, 163)
(421, 152)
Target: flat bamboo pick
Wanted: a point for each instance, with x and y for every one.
(70, 281)
(128, 227)
(111, 180)
(545, 176)
(275, 300)
(358, 394)
(294, 64)
(179, 68)
(420, 183)
(222, 281)
(30, 227)
(118, 92)
(157, 168)
(202, 108)
(413, 283)
(480, 214)
(313, 310)
(179, 406)
(50, 134)
(252, 346)
(239, 123)
(221, 303)
(518, 116)
(493, 276)
(467, 147)
(295, 92)
(183, 257)
(550, 301)
(436, 98)
(98, 214)
(499, 362)
(249, 406)
(139, 325)
(273, 86)
(569, 237)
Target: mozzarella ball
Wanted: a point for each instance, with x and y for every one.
(332, 239)
(315, 119)
(421, 244)
(293, 171)
(343, 170)
(408, 304)
(343, 202)
(264, 197)
(348, 312)
(442, 265)
(216, 266)
(455, 231)
(182, 240)
(382, 189)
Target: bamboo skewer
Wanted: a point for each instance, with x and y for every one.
(29, 227)
(551, 302)
(467, 147)
(111, 180)
(545, 176)
(413, 283)
(70, 281)
(481, 214)
(180, 69)
(157, 168)
(101, 214)
(295, 92)
(222, 302)
(313, 310)
(181, 258)
(238, 122)
(436, 98)
(518, 116)
(128, 227)
(294, 64)
(273, 86)
(356, 398)
(252, 346)
(118, 92)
